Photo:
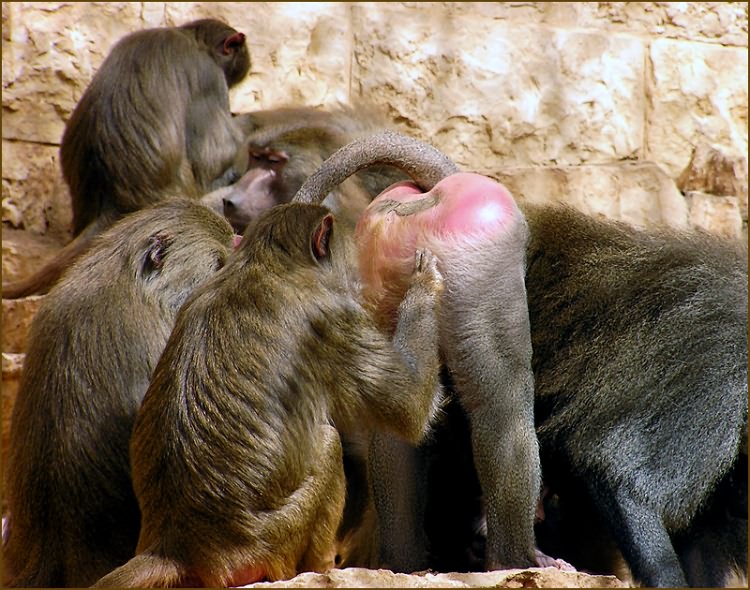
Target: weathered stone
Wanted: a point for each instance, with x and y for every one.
(24, 253)
(300, 52)
(30, 169)
(17, 317)
(719, 215)
(697, 93)
(490, 94)
(639, 193)
(712, 170)
(54, 50)
(364, 578)
(719, 22)
(492, 84)
(724, 23)
(12, 368)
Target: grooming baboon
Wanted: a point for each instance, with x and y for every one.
(153, 122)
(485, 344)
(236, 466)
(92, 347)
(284, 146)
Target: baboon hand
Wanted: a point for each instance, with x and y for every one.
(426, 271)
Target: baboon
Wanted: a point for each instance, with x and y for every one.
(484, 341)
(284, 146)
(154, 122)
(92, 348)
(640, 374)
(236, 462)
(640, 366)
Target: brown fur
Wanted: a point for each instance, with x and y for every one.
(133, 140)
(236, 466)
(92, 347)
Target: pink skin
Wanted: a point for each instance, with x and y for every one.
(544, 560)
(247, 575)
(470, 204)
(250, 195)
(460, 215)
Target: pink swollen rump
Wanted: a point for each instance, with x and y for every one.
(461, 214)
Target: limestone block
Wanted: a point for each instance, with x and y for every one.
(724, 23)
(17, 317)
(50, 54)
(487, 93)
(639, 193)
(718, 22)
(300, 51)
(365, 578)
(712, 170)
(697, 93)
(25, 252)
(12, 368)
(35, 196)
(719, 215)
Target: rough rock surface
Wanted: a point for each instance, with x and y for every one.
(12, 367)
(493, 84)
(17, 316)
(714, 171)
(364, 578)
(498, 86)
(637, 192)
(718, 215)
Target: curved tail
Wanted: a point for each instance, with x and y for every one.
(43, 279)
(423, 163)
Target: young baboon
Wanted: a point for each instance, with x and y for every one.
(92, 347)
(277, 161)
(484, 341)
(153, 122)
(236, 462)
(284, 146)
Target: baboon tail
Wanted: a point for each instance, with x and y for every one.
(144, 571)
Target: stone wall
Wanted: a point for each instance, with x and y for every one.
(596, 104)
(635, 111)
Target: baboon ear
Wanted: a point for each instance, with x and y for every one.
(321, 237)
(156, 252)
(233, 42)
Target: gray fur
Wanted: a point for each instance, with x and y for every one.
(640, 362)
